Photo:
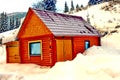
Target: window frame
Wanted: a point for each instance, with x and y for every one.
(37, 41)
(85, 44)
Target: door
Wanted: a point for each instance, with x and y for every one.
(13, 52)
(64, 49)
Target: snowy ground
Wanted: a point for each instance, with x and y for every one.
(96, 63)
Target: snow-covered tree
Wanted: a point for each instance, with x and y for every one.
(39, 5)
(3, 22)
(50, 5)
(12, 23)
(93, 2)
(46, 5)
(17, 23)
(72, 6)
(66, 9)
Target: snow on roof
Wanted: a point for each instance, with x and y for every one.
(9, 36)
(65, 25)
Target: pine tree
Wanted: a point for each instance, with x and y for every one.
(50, 5)
(93, 2)
(81, 6)
(66, 9)
(17, 24)
(72, 6)
(3, 22)
(12, 23)
(77, 8)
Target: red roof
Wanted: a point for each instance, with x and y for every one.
(65, 25)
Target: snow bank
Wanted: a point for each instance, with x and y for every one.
(9, 36)
(86, 67)
(22, 71)
(101, 50)
(112, 41)
(2, 54)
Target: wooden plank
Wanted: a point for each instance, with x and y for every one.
(68, 49)
(13, 59)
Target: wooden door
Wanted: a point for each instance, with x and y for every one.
(67, 49)
(64, 49)
(13, 52)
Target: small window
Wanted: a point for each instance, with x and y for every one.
(87, 44)
(35, 48)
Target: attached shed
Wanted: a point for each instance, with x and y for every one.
(46, 37)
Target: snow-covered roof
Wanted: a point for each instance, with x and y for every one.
(9, 36)
(65, 25)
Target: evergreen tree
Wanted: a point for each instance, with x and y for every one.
(72, 6)
(66, 9)
(93, 2)
(46, 5)
(50, 5)
(77, 8)
(6, 22)
(12, 23)
(3, 22)
(17, 23)
(39, 5)
(81, 6)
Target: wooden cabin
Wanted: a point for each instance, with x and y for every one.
(46, 37)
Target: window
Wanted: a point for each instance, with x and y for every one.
(35, 48)
(87, 44)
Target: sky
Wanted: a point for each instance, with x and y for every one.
(10, 6)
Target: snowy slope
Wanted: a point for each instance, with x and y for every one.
(103, 15)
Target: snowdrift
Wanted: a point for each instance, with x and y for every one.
(9, 36)
(97, 63)
(102, 50)
(2, 54)
(112, 41)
